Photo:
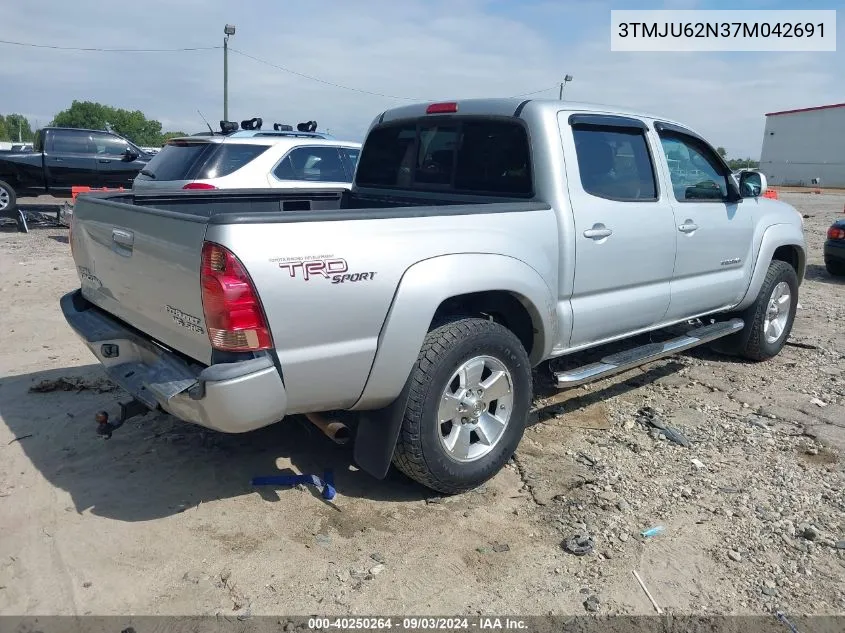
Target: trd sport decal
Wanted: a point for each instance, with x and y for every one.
(327, 267)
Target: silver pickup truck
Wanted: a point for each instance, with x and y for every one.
(480, 239)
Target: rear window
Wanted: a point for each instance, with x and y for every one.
(483, 156)
(200, 161)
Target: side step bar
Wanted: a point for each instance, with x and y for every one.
(623, 361)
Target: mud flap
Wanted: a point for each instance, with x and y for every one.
(377, 433)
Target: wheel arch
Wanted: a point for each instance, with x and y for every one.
(499, 287)
(783, 242)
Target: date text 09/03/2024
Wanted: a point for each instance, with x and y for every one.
(418, 623)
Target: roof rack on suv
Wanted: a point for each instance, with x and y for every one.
(254, 133)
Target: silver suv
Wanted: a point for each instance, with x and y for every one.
(250, 159)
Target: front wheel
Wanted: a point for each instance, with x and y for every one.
(470, 394)
(768, 321)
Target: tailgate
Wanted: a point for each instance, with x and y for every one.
(143, 266)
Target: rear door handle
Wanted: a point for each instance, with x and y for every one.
(688, 226)
(598, 232)
(103, 160)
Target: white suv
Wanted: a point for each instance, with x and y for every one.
(250, 159)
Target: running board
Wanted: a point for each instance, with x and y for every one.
(623, 361)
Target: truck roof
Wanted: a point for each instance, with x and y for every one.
(75, 129)
(508, 107)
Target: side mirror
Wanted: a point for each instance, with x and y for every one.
(129, 155)
(752, 184)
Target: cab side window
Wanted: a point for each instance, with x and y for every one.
(694, 169)
(615, 163)
(108, 145)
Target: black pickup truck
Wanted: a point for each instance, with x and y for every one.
(66, 157)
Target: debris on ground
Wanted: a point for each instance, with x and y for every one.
(647, 592)
(74, 383)
(649, 417)
(654, 531)
(592, 604)
(579, 544)
(21, 437)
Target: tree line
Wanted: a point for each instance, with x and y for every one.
(130, 124)
(737, 163)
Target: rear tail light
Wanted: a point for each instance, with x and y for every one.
(442, 108)
(199, 185)
(835, 233)
(234, 316)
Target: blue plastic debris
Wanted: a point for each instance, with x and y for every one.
(652, 531)
(325, 485)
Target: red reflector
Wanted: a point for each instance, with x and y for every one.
(442, 108)
(233, 313)
(835, 233)
(199, 185)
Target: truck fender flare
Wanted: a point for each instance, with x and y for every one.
(423, 287)
(428, 283)
(774, 237)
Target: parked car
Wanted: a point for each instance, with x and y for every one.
(834, 249)
(62, 158)
(480, 238)
(249, 159)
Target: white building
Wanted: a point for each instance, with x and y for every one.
(800, 145)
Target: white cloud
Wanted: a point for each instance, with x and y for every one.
(416, 48)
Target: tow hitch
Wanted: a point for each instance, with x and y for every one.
(128, 410)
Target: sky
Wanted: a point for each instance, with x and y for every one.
(408, 50)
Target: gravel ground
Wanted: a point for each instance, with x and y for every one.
(161, 519)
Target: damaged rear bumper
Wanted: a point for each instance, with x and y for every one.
(228, 397)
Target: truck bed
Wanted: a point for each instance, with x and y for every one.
(139, 255)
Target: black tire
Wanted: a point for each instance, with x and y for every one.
(751, 342)
(419, 451)
(9, 209)
(837, 269)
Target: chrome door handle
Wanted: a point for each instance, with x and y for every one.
(688, 226)
(599, 231)
(103, 160)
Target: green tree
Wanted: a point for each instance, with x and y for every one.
(11, 124)
(721, 151)
(131, 124)
(169, 135)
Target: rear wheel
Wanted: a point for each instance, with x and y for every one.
(768, 321)
(470, 395)
(8, 199)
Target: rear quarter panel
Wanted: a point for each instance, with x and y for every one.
(326, 316)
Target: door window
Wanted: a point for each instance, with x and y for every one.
(107, 145)
(315, 164)
(694, 169)
(615, 163)
(71, 142)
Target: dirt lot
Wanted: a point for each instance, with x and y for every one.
(161, 519)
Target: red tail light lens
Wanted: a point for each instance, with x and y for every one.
(199, 185)
(233, 313)
(835, 233)
(442, 108)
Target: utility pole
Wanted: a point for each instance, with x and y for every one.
(19, 130)
(228, 30)
(566, 79)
